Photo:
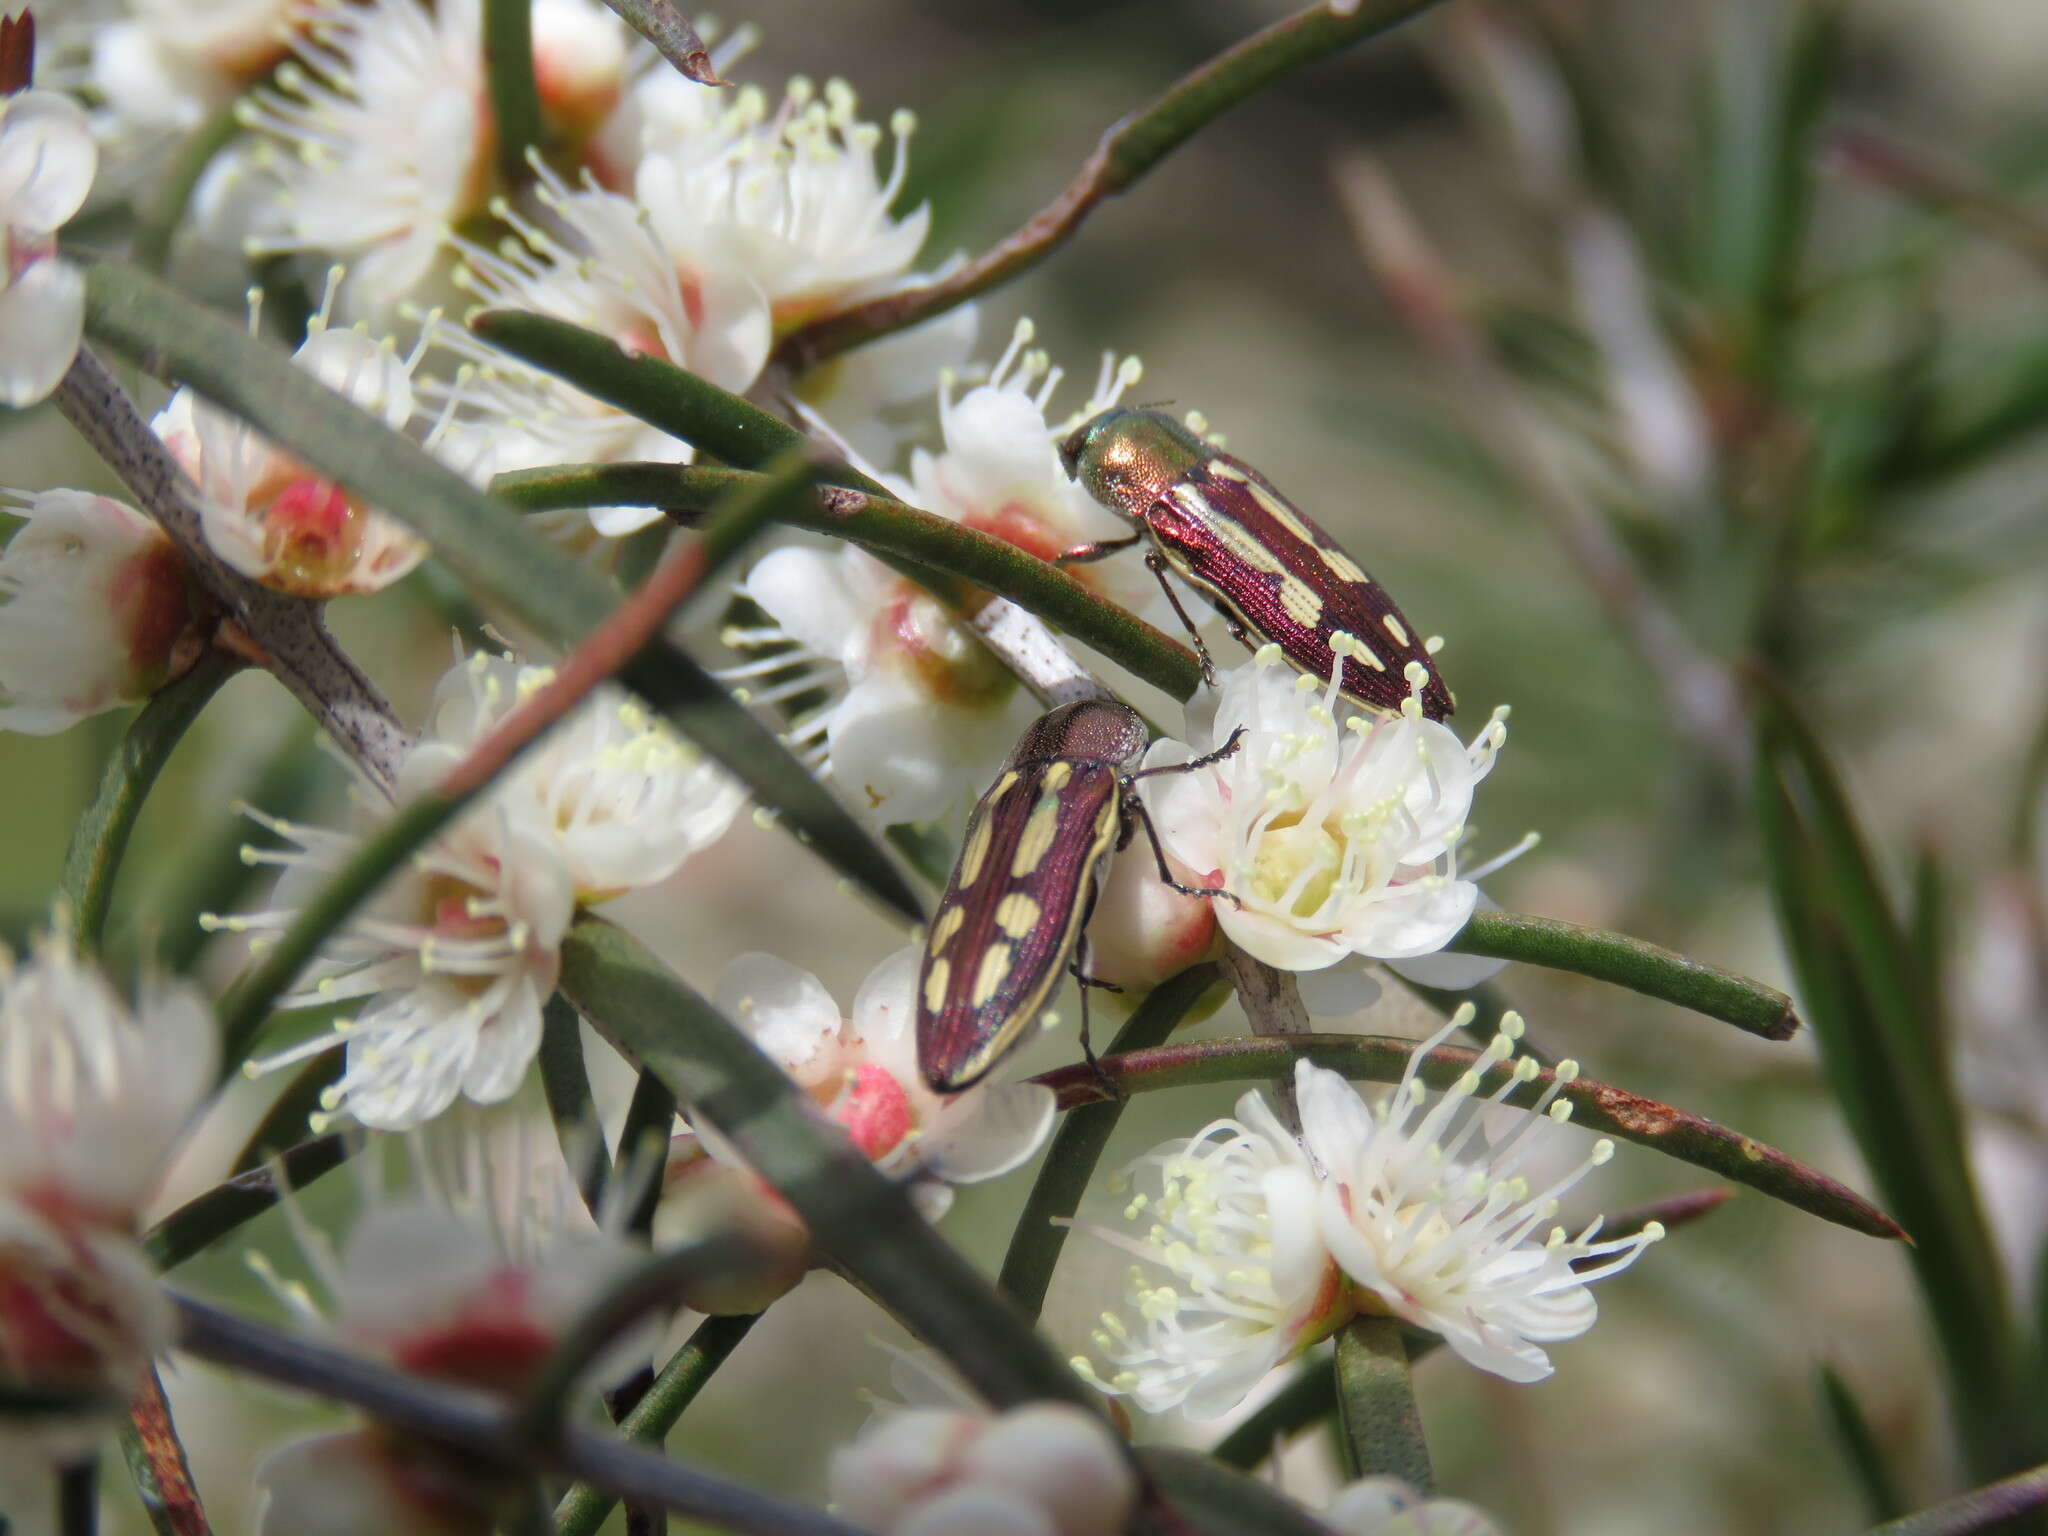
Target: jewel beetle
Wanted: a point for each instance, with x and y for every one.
(1012, 917)
(1222, 526)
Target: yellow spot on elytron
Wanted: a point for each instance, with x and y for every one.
(1364, 654)
(1003, 786)
(1281, 513)
(1396, 628)
(1056, 777)
(1346, 567)
(1193, 502)
(943, 930)
(995, 965)
(1248, 549)
(1017, 914)
(1037, 839)
(1301, 602)
(975, 854)
(935, 981)
(1224, 469)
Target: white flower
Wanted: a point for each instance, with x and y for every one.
(97, 609)
(1337, 836)
(1386, 1506)
(272, 516)
(1000, 472)
(1050, 1469)
(93, 1097)
(1232, 1276)
(457, 954)
(622, 798)
(168, 63)
(471, 1278)
(462, 948)
(918, 714)
(1437, 1223)
(863, 1072)
(604, 268)
(795, 198)
(47, 161)
(1253, 1245)
(382, 134)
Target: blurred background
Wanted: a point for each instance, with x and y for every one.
(1741, 310)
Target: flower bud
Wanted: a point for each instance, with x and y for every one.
(703, 1199)
(97, 610)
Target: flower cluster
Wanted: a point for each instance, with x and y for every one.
(94, 1095)
(458, 953)
(1253, 1243)
(471, 1276)
(1050, 1469)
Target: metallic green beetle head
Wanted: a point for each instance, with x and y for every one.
(1126, 459)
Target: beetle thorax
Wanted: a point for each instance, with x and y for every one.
(1127, 459)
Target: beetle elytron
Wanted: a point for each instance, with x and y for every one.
(1012, 915)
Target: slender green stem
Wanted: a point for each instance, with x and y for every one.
(886, 528)
(469, 1422)
(677, 41)
(1996, 1507)
(1308, 1398)
(515, 97)
(1376, 1404)
(1125, 153)
(157, 1463)
(158, 231)
(687, 1373)
(863, 1222)
(85, 889)
(1596, 1106)
(1041, 1230)
(662, 1280)
(1633, 963)
(205, 1219)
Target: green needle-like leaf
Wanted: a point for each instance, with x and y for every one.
(688, 1371)
(861, 1221)
(1876, 1020)
(1218, 1501)
(1597, 1107)
(204, 1220)
(2002, 1506)
(1633, 963)
(1309, 1398)
(1859, 1445)
(515, 97)
(910, 539)
(480, 539)
(1376, 1404)
(86, 887)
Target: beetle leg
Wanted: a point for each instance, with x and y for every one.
(1143, 818)
(1101, 549)
(1080, 974)
(1156, 564)
(1204, 761)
